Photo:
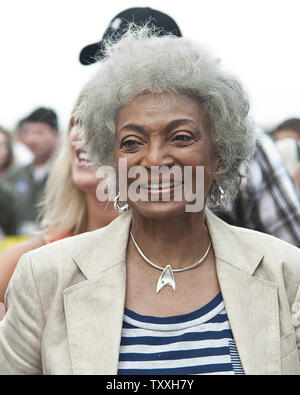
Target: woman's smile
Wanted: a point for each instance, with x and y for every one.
(162, 191)
(82, 158)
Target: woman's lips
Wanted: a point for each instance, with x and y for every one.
(161, 191)
(82, 158)
(161, 186)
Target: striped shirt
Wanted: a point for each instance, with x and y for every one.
(199, 342)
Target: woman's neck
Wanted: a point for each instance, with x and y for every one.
(180, 240)
(100, 214)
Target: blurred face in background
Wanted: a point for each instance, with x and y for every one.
(41, 139)
(83, 174)
(287, 134)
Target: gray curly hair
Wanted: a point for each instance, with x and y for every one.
(141, 62)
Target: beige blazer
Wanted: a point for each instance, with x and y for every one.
(66, 301)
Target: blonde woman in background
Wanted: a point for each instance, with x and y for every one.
(70, 206)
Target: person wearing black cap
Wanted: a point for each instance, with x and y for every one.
(163, 23)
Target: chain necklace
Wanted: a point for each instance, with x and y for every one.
(167, 276)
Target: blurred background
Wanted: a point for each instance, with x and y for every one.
(41, 77)
(258, 40)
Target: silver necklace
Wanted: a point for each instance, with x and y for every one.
(167, 276)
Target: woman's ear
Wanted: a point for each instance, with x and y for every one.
(218, 167)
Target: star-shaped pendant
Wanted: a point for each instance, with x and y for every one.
(166, 278)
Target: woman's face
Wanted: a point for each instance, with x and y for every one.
(4, 151)
(83, 174)
(165, 130)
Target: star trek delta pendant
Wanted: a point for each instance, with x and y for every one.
(166, 278)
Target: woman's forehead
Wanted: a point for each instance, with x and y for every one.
(165, 106)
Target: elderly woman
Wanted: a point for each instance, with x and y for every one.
(163, 289)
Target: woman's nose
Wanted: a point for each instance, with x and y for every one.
(157, 155)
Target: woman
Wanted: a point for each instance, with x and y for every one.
(70, 206)
(112, 300)
(6, 152)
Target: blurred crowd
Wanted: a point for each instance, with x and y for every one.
(27, 155)
(268, 199)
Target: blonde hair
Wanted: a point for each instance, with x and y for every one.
(63, 208)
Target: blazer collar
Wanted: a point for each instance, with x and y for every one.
(250, 301)
(95, 308)
(113, 240)
(229, 246)
(104, 247)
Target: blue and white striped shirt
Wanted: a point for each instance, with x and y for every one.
(199, 342)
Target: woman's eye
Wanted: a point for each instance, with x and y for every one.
(184, 138)
(129, 144)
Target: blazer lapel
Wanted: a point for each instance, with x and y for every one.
(94, 308)
(251, 303)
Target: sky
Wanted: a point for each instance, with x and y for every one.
(40, 42)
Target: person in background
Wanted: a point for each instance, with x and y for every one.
(267, 181)
(6, 152)
(70, 205)
(28, 182)
(23, 155)
(290, 128)
(8, 224)
(287, 140)
(163, 23)
(268, 200)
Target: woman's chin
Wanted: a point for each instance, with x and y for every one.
(158, 210)
(85, 181)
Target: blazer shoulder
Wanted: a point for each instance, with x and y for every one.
(269, 243)
(63, 246)
(56, 257)
(61, 252)
(71, 246)
(278, 254)
(254, 240)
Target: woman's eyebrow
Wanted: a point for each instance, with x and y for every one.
(179, 122)
(132, 126)
(168, 128)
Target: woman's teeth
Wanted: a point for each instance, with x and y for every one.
(83, 156)
(163, 185)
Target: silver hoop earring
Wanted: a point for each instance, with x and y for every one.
(117, 206)
(217, 195)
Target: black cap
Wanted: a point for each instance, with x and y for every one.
(163, 22)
